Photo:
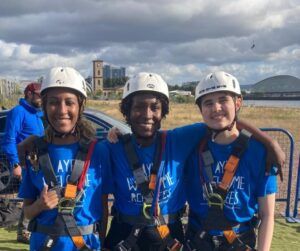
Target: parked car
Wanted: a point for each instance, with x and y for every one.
(102, 122)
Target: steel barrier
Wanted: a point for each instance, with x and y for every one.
(297, 194)
(286, 141)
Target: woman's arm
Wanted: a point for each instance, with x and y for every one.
(266, 214)
(47, 200)
(102, 234)
(275, 155)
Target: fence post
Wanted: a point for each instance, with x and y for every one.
(297, 191)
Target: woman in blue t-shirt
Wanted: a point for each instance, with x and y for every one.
(67, 175)
(226, 184)
(142, 222)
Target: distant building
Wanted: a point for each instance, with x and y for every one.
(281, 87)
(181, 93)
(89, 83)
(97, 83)
(110, 72)
(108, 92)
(8, 87)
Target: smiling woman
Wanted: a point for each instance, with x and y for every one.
(61, 107)
(64, 209)
(145, 117)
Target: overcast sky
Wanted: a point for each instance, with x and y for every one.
(181, 40)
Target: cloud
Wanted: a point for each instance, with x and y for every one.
(180, 40)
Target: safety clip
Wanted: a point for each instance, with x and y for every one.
(66, 205)
(215, 199)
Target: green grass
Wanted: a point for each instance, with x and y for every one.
(8, 240)
(286, 237)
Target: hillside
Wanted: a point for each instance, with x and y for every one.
(280, 83)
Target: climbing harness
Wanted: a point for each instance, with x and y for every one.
(65, 223)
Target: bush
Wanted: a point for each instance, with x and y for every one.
(182, 99)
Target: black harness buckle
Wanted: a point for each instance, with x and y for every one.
(188, 246)
(121, 247)
(177, 246)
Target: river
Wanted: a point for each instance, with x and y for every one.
(273, 103)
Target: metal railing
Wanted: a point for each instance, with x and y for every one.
(286, 141)
(297, 194)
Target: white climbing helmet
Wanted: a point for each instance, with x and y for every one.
(215, 82)
(66, 77)
(145, 81)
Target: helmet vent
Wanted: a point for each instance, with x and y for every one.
(128, 86)
(151, 86)
(60, 82)
(233, 83)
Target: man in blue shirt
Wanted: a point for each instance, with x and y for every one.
(22, 121)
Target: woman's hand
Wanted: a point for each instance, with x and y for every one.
(48, 198)
(275, 159)
(112, 135)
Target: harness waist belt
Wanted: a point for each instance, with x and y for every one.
(238, 227)
(59, 230)
(141, 220)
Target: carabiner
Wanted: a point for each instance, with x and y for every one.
(146, 210)
(66, 205)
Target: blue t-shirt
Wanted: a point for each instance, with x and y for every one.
(249, 182)
(88, 209)
(171, 196)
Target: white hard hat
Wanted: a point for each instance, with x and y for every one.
(66, 77)
(145, 81)
(215, 82)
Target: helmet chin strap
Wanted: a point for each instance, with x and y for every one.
(216, 132)
(61, 135)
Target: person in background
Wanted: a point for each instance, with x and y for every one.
(67, 174)
(226, 184)
(147, 168)
(22, 121)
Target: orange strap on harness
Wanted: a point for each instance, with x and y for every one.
(216, 193)
(152, 182)
(70, 196)
(71, 192)
(148, 188)
(230, 235)
(229, 171)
